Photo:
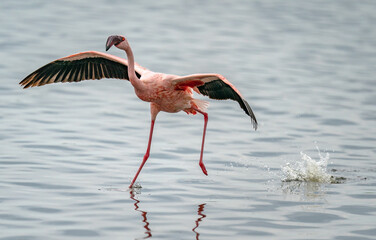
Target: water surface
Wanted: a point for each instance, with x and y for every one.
(69, 151)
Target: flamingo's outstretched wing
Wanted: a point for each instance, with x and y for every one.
(81, 66)
(215, 86)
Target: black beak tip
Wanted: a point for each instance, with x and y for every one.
(113, 40)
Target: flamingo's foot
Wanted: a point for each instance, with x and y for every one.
(203, 168)
(134, 186)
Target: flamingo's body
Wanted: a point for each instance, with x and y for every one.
(165, 92)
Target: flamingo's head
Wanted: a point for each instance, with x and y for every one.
(117, 40)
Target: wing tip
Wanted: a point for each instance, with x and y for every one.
(24, 83)
(28, 82)
(249, 112)
(253, 119)
(254, 123)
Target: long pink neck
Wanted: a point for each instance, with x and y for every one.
(135, 81)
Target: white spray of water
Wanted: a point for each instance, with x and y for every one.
(307, 169)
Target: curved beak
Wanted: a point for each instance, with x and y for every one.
(113, 40)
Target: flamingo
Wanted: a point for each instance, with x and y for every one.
(165, 92)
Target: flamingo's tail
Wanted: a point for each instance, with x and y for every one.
(201, 104)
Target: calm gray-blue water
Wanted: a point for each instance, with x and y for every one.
(69, 151)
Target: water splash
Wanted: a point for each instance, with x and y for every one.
(308, 169)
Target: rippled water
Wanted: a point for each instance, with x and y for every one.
(69, 151)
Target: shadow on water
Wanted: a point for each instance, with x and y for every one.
(146, 223)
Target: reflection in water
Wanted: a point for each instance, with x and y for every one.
(145, 219)
(199, 219)
(304, 191)
(143, 214)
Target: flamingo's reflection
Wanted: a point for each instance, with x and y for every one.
(143, 214)
(147, 232)
(199, 219)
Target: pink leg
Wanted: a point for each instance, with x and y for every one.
(146, 156)
(201, 163)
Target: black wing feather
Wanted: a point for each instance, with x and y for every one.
(218, 89)
(76, 70)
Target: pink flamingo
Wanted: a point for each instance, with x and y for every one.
(165, 92)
